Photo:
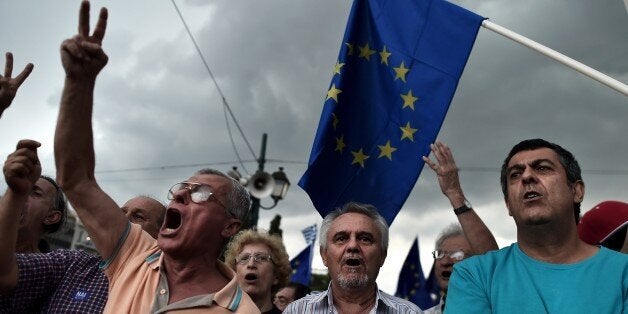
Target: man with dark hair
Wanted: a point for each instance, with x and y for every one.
(353, 245)
(290, 293)
(61, 281)
(178, 272)
(549, 269)
(566, 158)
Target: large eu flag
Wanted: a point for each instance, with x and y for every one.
(412, 285)
(397, 71)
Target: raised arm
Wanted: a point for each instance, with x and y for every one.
(83, 58)
(8, 85)
(21, 170)
(479, 236)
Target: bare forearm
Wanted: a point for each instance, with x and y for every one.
(477, 233)
(74, 149)
(10, 209)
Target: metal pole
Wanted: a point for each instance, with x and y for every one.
(582, 68)
(253, 217)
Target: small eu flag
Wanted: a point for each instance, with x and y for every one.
(412, 285)
(397, 71)
(302, 266)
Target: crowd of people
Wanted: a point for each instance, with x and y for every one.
(191, 256)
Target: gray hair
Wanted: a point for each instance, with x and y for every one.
(238, 200)
(353, 207)
(453, 230)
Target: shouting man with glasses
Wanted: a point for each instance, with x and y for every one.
(180, 272)
(458, 241)
(261, 264)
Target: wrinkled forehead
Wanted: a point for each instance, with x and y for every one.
(458, 242)
(353, 223)
(144, 203)
(526, 157)
(46, 187)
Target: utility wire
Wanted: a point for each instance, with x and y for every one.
(172, 167)
(222, 96)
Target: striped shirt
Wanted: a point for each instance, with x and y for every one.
(322, 302)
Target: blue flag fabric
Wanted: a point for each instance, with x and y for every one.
(309, 233)
(412, 285)
(397, 71)
(302, 266)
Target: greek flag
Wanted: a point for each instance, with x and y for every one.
(309, 234)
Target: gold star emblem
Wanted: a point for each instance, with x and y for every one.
(366, 52)
(337, 67)
(333, 93)
(340, 144)
(384, 54)
(408, 100)
(400, 72)
(336, 120)
(359, 158)
(350, 53)
(386, 150)
(408, 132)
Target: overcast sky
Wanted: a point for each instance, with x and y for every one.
(156, 106)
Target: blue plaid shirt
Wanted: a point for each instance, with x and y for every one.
(62, 281)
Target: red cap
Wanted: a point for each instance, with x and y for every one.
(599, 223)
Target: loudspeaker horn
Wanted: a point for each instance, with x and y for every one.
(261, 185)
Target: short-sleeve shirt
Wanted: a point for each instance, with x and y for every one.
(323, 303)
(509, 281)
(62, 281)
(136, 284)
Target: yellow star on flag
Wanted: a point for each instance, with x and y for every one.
(333, 93)
(408, 100)
(401, 72)
(386, 150)
(337, 67)
(384, 54)
(359, 157)
(366, 52)
(350, 53)
(340, 144)
(336, 120)
(408, 132)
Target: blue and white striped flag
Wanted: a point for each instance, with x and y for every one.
(309, 233)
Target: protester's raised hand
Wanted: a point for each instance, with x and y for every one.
(22, 168)
(82, 55)
(445, 169)
(9, 85)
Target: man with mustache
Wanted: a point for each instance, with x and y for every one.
(549, 269)
(353, 245)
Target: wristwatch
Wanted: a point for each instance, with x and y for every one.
(466, 206)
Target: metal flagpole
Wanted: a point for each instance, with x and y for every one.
(584, 69)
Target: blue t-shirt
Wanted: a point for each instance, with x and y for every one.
(509, 281)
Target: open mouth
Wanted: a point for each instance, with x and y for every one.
(172, 221)
(250, 277)
(446, 274)
(531, 195)
(353, 262)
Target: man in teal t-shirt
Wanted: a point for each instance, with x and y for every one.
(549, 269)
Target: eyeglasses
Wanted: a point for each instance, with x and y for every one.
(199, 193)
(257, 257)
(457, 255)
